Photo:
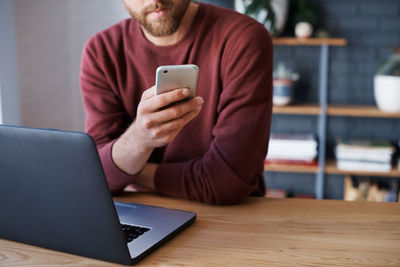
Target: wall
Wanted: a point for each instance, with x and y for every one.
(9, 90)
(50, 37)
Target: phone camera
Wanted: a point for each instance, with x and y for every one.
(165, 71)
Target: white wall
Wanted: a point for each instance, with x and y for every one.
(50, 37)
(9, 91)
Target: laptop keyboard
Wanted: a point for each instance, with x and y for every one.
(132, 232)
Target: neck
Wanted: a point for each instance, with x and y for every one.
(184, 27)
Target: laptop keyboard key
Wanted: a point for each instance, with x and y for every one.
(132, 232)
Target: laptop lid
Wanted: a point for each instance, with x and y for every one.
(53, 194)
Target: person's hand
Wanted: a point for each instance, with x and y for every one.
(158, 120)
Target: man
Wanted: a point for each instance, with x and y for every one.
(210, 148)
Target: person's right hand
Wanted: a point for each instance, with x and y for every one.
(158, 120)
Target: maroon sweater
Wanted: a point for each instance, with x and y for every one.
(216, 158)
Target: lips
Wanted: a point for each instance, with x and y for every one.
(159, 13)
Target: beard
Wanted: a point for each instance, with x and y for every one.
(163, 26)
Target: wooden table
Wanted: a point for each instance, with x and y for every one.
(259, 232)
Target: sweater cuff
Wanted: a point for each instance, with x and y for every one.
(116, 178)
(169, 180)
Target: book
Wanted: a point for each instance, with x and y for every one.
(365, 143)
(294, 162)
(296, 147)
(350, 191)
(355, 192)
(355, 165)
(286, 139)
(375, 193)
(292, 150)
(366, 190)
(291, 157)
(362, 145)
(363, 155)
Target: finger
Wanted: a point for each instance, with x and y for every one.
(165, 99)
(178, 123)
(166, 132)
(149, 93)
(176, 111)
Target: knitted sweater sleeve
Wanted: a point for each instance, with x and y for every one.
(105, 116)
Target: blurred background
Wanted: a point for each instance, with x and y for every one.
(42, 40)
(41, 45)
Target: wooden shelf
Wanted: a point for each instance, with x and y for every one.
(275, 167)
(360, 111)
(297, 109)
(309, 41)
(332, 168)
(335, 110)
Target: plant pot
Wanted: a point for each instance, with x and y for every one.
(303, 30)
(283, 92)
(387, 92)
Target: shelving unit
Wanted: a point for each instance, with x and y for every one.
(322, 110)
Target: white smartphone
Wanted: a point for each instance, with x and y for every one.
(172, 77)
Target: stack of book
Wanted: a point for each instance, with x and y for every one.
(292, 149)
(366, 190)
(364, 155)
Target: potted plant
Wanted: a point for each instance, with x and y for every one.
(283, 83)
(387, 83)
(271, 13)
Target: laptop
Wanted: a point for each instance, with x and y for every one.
(53, 194)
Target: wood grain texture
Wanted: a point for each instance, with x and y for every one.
(297, 109)
(335, 110)
(360, 111)
(259, 232)
(309, 41)
(331, 168)
(287, 167)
